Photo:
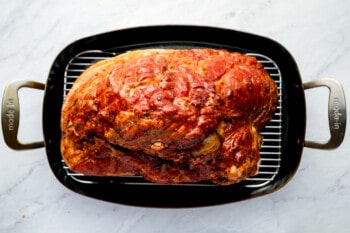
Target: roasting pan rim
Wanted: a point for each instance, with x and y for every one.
(292, 86)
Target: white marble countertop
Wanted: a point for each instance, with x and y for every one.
(317, 33)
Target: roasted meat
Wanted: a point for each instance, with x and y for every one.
(171, 116)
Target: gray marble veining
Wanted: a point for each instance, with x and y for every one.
(317, 199)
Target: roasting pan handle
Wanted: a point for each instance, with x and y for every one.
(336, 113)
(10, 114)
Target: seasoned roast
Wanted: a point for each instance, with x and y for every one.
(171, 116)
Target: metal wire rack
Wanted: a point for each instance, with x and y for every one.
(270, 150)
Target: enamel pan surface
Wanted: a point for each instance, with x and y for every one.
(293, 114)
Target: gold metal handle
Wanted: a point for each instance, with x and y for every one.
(10, 114)
(336, 113)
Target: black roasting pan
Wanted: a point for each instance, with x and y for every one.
(284, 137)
